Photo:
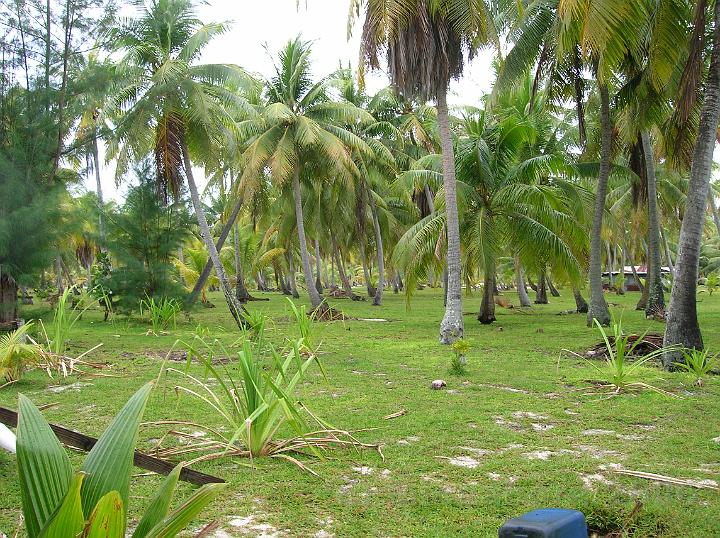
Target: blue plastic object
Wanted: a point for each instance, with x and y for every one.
(546, 523)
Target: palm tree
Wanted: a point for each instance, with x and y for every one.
(682, 323)
(175, 105)
(425, 42)
(300, 136)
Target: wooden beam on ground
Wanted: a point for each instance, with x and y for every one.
(85, 443)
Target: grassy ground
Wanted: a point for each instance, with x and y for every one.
(512, 434)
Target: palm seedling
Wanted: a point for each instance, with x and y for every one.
(699, 363)
(60, 502)
(620, 374)
(16, 354)
(459, 361)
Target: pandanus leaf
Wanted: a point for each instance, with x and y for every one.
(44, 469)
(69, 519)
(109, 463)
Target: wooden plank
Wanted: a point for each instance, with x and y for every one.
(84, 442)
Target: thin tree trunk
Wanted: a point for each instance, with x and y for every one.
(318, 268)
(341, 271)
(541, 293)
(395, 285)
(598, 306)
(366, 275)
(621, 289)
(532, 284)
(637, 278)
(553, 290)
(315, 299)
(200, 284)
(714, 211)
(241, 292)
(58, 274)
(292, 276)
(487, 307)
(452, 325)
(522, 290)
(8, 298)
(235, 308)
(668, 254)
(655, 307)
(377, 301)
(99, 192)
(682, 323)
(581, 305)
(609, 264)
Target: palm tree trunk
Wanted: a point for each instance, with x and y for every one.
(291, 278)
(452, 326)
(487, 307)
(315, 299)
(637, 278)
(235, 309)
(655, 307)
(318, 266)
(714, 211)
(581, 305)
(598, 306)
(99, 192)
(8, 298)
(522, 289)
(341, 271)
(682, 323)
(621, 289)
(241, 292)
(541, 293)
(668, 254)
(609, 264)
(366, 274)
(200, 284)
(553, 290)
(377, 301)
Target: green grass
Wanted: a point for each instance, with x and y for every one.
(374, 369)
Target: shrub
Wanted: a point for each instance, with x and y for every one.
(15, 354)
(699, 363)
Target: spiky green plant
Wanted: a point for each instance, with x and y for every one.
(458, 362)
(620, 374)
(65, 316)
(699, 363)
(59, 502)
(16, 354)
(162, 312)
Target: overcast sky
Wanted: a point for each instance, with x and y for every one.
(256, 24)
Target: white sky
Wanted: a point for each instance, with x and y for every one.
(273, 22)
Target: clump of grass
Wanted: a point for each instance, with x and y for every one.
(162, 313)
(65, 316)
(458, 362)
(255, 322)
(307, 326)
(619, 374)
(699, 363)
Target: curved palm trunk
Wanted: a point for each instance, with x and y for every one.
(522, 289)
(341, 271)
(541, 292)
(598, 306)
(366, 274)
(682, 323)
(318, 265)
(553, 290)
(655, 307)
(202, 280)
(236, 309)
(581, 305)
(291, 278)
(621, 288)
(377, 301)
(487, 307)
(315, 299)
(452, 325)
(99, 192)
(241, 292)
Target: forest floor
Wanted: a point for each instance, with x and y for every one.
(521, 429)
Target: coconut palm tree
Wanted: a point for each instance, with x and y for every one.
(425, 42)
(175, 105)
(300, 137)
(682, 323)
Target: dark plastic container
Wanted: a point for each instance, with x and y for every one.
(546, 523)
